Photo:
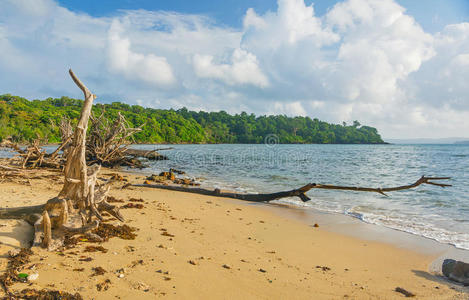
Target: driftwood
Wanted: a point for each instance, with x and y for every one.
(108, 142)
(301, 192)
(77, 207)
(151, 155)
(34, 156)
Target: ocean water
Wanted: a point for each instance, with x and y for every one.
(437, 213)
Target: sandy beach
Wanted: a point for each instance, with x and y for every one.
(200, 247)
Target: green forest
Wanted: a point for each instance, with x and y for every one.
(22, 120)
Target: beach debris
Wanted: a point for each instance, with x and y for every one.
(14, 252)
(116, 177)
(95, 249)
(226, 266)
(14, 265)
(107, 231)
(316, 225)
(98, 271)
(324, 268)
(132, 205)
(45, 294)
(142, 286)
(404, 292)
(85, 259)
(262, 270)
(165, 233)
(104, 285)
(79, 269)
(56, 219)
(177, 171)
(136, 200)
(33, 277)
(165, 177)
(300, 192)
(457, 271)
(130, 248)
(112, 199)
(136, 263)
(126, 185)
(192, 262)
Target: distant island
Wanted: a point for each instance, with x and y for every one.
(22, 120)
(434, 141)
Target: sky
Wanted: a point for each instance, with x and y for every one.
(398, 65)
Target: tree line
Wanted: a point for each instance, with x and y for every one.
(22, 120)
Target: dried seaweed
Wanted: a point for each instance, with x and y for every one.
(132, 205)
(111, 199)
(136, 200)
(103, 286)
(15, 261)
(107, 231)
(95, 249)
(98, 271)
(33, 294)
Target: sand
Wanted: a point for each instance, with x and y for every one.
(215, 248)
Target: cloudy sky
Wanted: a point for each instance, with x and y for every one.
(401, 66)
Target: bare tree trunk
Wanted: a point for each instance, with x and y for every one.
(80, 200)
(300, 192)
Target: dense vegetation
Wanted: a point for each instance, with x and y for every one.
(24, 120)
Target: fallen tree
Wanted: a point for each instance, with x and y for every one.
(76, 210)
(300, 192)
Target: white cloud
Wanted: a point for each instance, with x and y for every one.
(365, 60)
(244, 69)
(289, 109)
(149, 68)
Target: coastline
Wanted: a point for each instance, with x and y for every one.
(300, 261)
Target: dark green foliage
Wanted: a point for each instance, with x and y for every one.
(23, 120)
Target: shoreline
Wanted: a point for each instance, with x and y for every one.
(342, 223)
(190, 245)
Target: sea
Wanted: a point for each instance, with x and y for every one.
(441, 214)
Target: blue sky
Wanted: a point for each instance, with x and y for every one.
(398, 65)
(433, 15)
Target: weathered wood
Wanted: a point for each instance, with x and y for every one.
(80, 196)
(300, 192)
(151, 155)
(47, 228)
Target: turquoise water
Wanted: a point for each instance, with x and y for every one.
(429, 211)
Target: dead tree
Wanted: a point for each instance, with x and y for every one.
(108, 142)
(76, 210)
(300, 192)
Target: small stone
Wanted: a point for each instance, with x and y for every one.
(33, 277)
(315, 225)
(121, 275)
(226, 267)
